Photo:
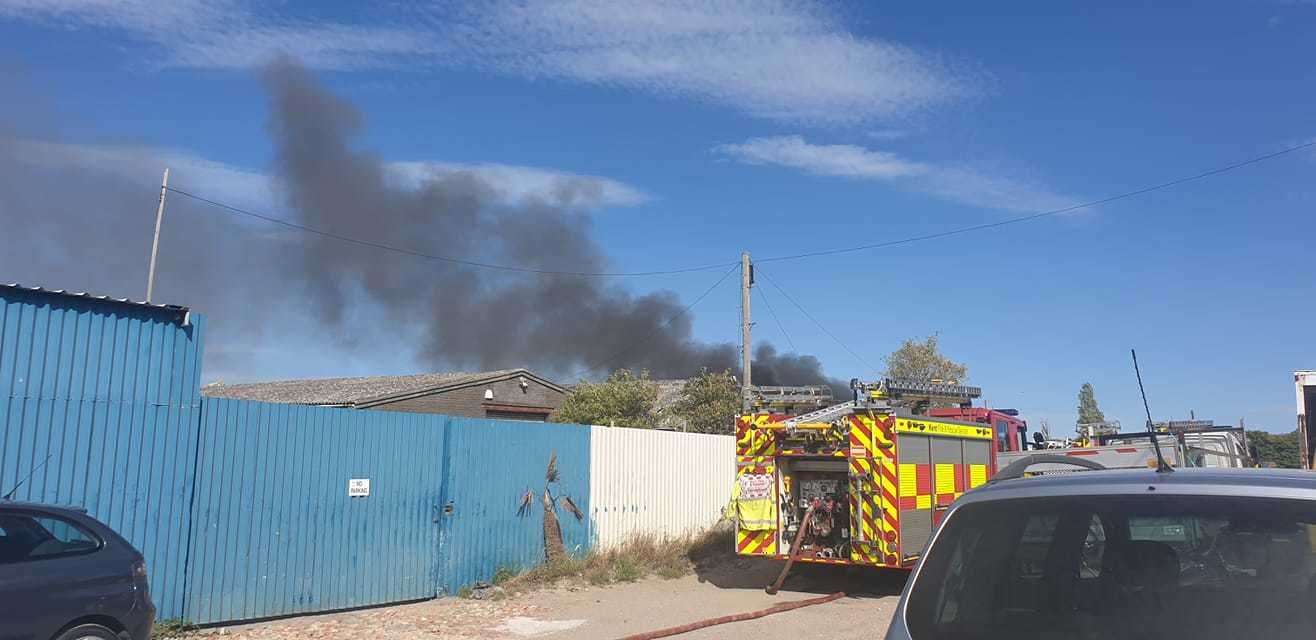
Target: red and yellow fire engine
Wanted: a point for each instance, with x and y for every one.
(863, 482)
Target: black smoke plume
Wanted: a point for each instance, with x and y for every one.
(253, 279)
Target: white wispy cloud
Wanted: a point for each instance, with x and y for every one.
(321, 46)
(521, 184)
(887, 134)
(246, 188)
(978, 189)
(954, 183)
(782, 59)
(142, 164)
(230, 34)
(846, 160)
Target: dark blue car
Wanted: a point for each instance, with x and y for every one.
(66, 576)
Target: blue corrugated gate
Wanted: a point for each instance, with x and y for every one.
(242, 508)
(274, 530)
(99, 403)
(275, 533)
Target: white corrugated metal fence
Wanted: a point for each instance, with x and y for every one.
(657, 482)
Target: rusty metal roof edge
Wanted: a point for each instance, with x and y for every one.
(90, 296)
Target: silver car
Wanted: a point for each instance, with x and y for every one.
(1194, 554)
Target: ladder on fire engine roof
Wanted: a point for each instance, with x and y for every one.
(778, 397)
(886, 394)
(802, 393)
(919, 390)
(832, 413)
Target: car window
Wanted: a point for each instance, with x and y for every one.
(1034, 543)
(1094, 549)
(1129, 567)
(29, 536)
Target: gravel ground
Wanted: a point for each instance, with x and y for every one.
(605, 613)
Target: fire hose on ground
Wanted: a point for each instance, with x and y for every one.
(752, 615)
(776, 608)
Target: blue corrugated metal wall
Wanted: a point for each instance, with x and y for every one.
(106, 394)
(241, 508)
(491, 463)
(274, 531)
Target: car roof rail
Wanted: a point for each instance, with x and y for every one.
(1019, 467)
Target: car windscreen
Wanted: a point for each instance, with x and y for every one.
(1153, 566)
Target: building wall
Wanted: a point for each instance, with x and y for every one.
(469, 401)
(657, 482)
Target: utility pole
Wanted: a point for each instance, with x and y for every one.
(746, 354)
(155, 243)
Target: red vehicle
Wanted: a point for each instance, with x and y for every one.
(1011, 432)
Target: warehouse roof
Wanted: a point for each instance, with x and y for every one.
(365, 391)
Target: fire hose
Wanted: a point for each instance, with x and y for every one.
(752, 615)
(794, 552)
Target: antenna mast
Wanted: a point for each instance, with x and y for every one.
(10, 495)
(1161, 465)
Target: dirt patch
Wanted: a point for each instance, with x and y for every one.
(607, 612)
(446, 619)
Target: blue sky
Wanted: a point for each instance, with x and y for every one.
(780, 127)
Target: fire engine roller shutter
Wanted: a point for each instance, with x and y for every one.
(977, 462)
(915, 492)
(947, 481)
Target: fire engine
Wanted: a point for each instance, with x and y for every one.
(863, 482)
(1011, 431)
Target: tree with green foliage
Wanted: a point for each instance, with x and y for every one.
(623, 400)
(1275, 449)
(922, 360)
(709, 402)
(1088, 411)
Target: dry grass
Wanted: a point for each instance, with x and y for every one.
(640, 557)
(172, 628)
(548, 573)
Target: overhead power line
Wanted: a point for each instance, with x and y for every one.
(1043, 214)
(629, 349)
(429, 256)
(773, 313)
(710, 267)
(758, 270)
